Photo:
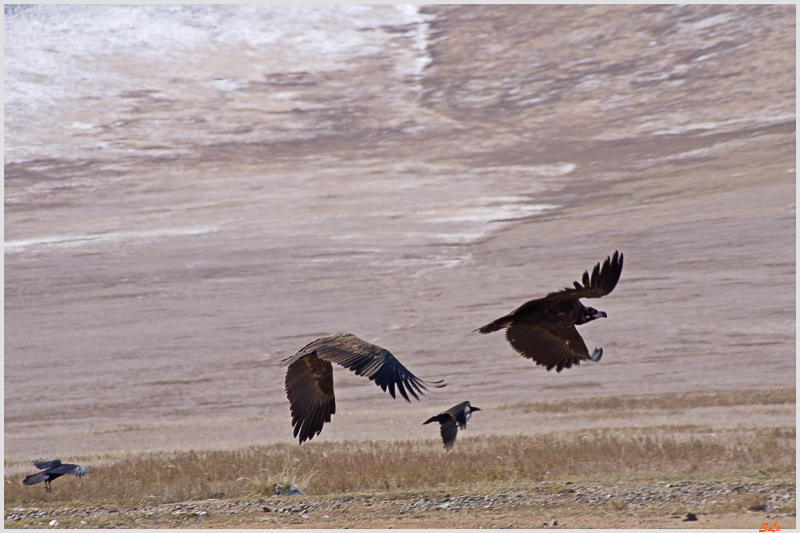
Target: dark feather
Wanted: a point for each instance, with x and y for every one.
(451, 421)
(51, 470)
(309, 378)
(543, 330)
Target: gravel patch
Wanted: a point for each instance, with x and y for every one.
(689, 495)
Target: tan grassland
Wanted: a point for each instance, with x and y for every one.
(642, 473)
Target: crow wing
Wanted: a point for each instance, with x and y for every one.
(63, 469)
(451, 421)
(459, 414)
(53, 469)
(44, 465)
(558, 347)
(449, 430)
(33, 479)
(309, 378)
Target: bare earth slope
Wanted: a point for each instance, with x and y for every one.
(150, 294)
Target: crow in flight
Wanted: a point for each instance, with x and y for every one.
(451, 421)
(51, 470)
(544, 329)
(309, 378)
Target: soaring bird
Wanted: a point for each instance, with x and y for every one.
(544, 329)
(51, 470)
(309, 378)
(452, 420)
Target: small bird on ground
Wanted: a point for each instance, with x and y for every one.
(51, 470)
(544, 330)
(452, 420)
(309, 378)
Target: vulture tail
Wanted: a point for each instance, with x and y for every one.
(500, 323)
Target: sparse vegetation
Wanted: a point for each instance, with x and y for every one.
(673, 400)
(287, 482)
(328, 468)
(605, 477)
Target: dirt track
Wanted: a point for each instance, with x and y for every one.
(162, 289)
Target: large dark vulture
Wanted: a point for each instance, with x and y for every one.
(451, 421)
(544, 329)
(51, 470)
(309, 378)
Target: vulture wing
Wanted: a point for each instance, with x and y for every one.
(369, 360)
(602, 281)
(309, 378)
(309, 387)
(550, 347)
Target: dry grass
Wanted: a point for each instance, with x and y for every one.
(756, 502)
(325, 468)
(677, 400)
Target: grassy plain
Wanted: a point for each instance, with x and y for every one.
(547, 464)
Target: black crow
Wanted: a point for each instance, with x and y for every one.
(309, 378)
(451, 421)
(51, 470)
(544, 329)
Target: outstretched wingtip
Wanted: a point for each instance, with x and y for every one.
(439, 383)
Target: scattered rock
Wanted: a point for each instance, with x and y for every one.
(637, 496)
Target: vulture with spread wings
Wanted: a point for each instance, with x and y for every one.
(451, 421)
(309, 378)
(544, 329)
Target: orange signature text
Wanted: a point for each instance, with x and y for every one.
(766, 527)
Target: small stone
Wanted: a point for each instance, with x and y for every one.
(690, 517)
(54, 522)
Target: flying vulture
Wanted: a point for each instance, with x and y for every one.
(51, 470)
(309, 378)
(451, 421)
(544, 329)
